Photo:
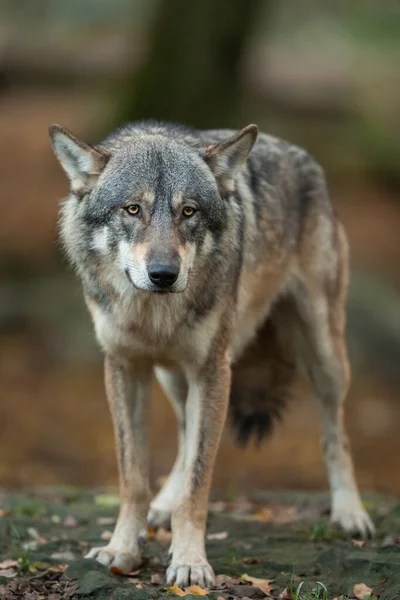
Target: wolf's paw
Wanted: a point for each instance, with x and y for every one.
(349, 515)
(114, 558)
(185, 574)
(159, 518)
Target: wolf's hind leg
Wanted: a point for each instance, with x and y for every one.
(318, 335)
(175, 387)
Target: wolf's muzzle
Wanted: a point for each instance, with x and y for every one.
(163, 276)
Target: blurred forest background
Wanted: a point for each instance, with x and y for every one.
(322, 74)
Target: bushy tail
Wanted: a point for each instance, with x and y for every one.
(261, 383)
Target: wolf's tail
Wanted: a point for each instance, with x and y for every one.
(261, 383)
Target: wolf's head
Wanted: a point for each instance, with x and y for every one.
(145, 205)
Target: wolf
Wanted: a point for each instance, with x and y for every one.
(213, 260)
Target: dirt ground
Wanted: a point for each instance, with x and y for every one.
(282, 538)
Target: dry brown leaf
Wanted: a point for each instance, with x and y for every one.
(251, 560)
(151, 533)
(264, 515)
(70, 521)
(4, 513)
(263, 584)
(358, 543)
(196, 590)
(156, 579)
(362, 591)
(285, 595)
(221, 535)
(175, 589)
(8, 573)
(106, 535)
(139, 586)
(9, 563)
(119, 571)
(225, 580)
(163, 535)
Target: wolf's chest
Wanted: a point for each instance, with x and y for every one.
(156, 329)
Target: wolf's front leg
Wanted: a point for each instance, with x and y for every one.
(206, 410)
(128, 390)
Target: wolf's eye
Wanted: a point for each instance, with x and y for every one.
(188, 211)
(133, 209)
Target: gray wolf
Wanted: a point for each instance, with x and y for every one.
(214, 260)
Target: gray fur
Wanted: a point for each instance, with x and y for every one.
(259, 264)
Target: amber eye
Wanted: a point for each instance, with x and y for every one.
(188, 211)
(133, 209)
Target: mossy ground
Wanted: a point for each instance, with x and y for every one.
(281, 537)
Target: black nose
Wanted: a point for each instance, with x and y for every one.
(163, 275)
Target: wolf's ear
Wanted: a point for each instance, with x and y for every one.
(81, 162)
(226, 158)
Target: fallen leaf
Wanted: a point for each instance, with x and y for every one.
(105, 521)
(9, 563)
(362, 591)
(106, 535)
(285, 595)
(225, 580)
(139, 586)
(156, 579)
(175, 589)
(4, 513)
(9, 573)
(119, 571)
(358, 543)
(251, 560)
(263, 514)
(263, 584)
(163, 535)
(196, 590)
(221, 535)
(70, 521)
(151, 533)
(276, 514)
(33, 533)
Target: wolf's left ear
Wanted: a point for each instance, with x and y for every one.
(81, 162)
(227, 158)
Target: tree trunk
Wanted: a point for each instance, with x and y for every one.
(192, 70)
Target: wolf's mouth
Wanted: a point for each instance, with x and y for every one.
(159, 291)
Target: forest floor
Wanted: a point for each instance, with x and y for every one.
(283, 539)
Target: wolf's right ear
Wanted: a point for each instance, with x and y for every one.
(81, 162)
(226, 158)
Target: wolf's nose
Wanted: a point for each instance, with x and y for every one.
(163, 275)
